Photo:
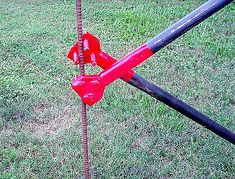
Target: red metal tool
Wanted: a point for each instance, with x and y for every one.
(91, 87)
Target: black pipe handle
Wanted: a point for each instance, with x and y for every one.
(158, 93)
(186, 23)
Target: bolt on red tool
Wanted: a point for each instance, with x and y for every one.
(100, 58)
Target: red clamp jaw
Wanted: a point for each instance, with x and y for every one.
(91, 87)
(91, 47)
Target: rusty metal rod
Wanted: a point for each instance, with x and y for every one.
(82, 72)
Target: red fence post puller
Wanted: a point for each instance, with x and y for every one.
(91, 87)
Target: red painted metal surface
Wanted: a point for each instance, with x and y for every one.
(91, 87)
(106, 61)
(128, 62)
(92, 50)
(91, 46)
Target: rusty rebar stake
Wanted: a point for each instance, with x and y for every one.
(82, 72)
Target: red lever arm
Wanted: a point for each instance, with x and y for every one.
(126, 63)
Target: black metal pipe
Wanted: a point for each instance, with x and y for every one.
(186, 23)
(158, 93)
(166, 37)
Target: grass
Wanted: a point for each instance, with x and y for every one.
(131, 135)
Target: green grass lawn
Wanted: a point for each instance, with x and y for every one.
(131, 135)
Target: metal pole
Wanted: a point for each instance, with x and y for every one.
(146, 50)
(83, 107)
(139, 55)
(186, 23)
(156, 92)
